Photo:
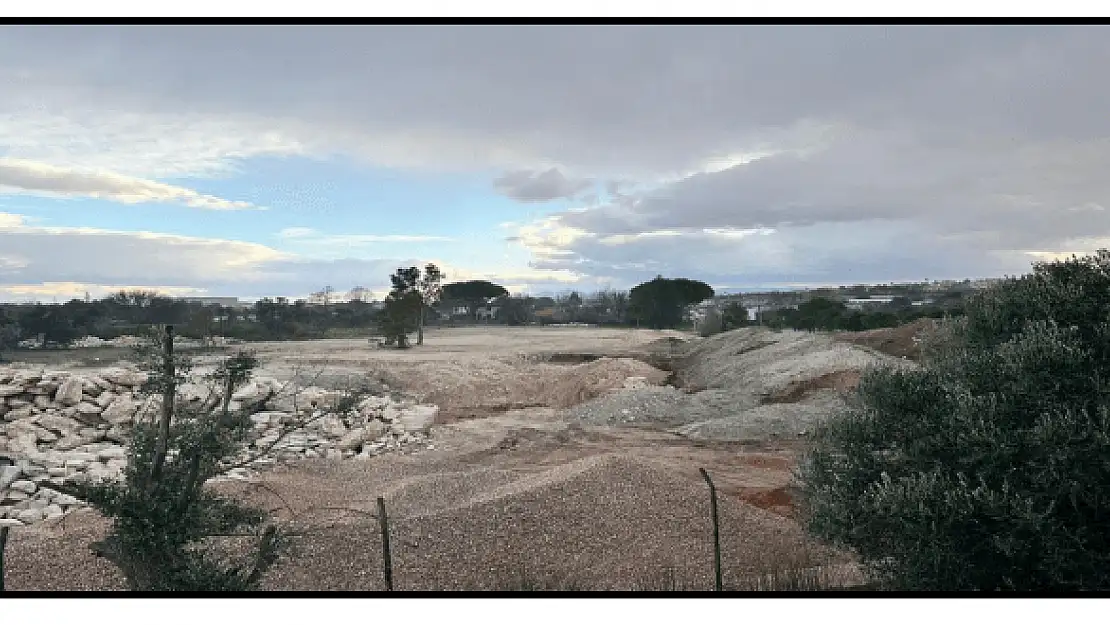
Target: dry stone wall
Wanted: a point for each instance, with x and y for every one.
(57, 426)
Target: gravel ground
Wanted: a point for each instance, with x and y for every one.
(559, 506)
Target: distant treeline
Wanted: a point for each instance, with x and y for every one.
(657, 303)
(821, 313)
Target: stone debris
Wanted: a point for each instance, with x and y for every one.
(57, 427)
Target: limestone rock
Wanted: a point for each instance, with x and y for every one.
(333, 427)
(105, 399)
(124, 377)
(8, 474)
(88, 408)
(30, 516)
(24, 486)
(16, 414)
(9, 390)
(69, 392)
(121, 410)
(57, 423)
(114, 452)
(13, 497)
(418, 418)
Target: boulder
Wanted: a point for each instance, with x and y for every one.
(69, 392)
(24, 486)
(333, 427)
(59, 424)
(105, 399)
(13, 497)
(10, 390)
(11, 523)
(53, 511)
(113, 452)
(88, 408)
(121, 410)
(30, 516)
(124, 377)
(16, 414)
(418, 418)
(8, 474)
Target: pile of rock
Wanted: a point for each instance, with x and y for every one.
(57, 426)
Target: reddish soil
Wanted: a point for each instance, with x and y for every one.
(898, 342)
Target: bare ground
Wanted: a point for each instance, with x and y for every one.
(521, 496)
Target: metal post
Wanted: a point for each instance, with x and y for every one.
(716, 530)
(387, 558)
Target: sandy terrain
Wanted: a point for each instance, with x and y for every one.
(536, 475)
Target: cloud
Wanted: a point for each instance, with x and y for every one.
(533, 186)
(17, 175)
(40, 262)
(312, 236)
(861, 151)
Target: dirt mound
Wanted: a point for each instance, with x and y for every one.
(463, 390)
(901, 342)
(842, 381)
(760, 361)
(747, 384)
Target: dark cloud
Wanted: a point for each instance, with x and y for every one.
(533, 186)
(885, 152)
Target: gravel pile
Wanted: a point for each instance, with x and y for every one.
(732, 386)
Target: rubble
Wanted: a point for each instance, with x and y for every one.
(56, 426)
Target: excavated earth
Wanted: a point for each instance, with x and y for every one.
(563, 458)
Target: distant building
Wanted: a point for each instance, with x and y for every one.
(229, 302)
(861, 303)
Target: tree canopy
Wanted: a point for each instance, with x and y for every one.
(659, 302)
(472, 290)
(985, 469)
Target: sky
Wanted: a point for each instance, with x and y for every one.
(274, 161)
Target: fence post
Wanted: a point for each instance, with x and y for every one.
(387, 557)
(3, 545)
(716, 531)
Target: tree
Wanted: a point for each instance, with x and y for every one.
(430, 291)
(984, 469)
(659, 302)
(473, 293)
(10, 333)
(733, 315)
(516, 310)
(166, 526)
(403, 306)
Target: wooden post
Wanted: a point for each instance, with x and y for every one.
(387, 557)
(716, 530)
(168, 372)
(3, 545)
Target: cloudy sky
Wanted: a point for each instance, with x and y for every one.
(255, 161)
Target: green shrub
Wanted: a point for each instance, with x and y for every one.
(989, 467)
(169, 533)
